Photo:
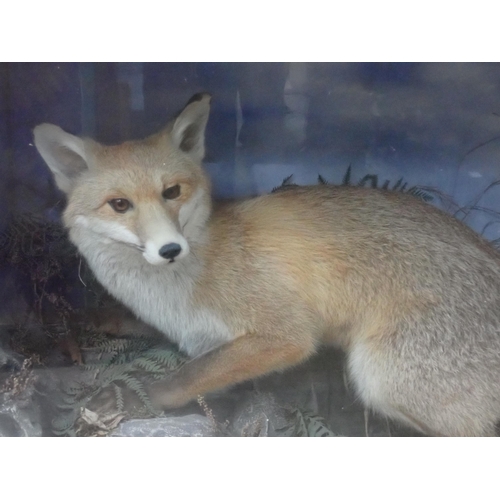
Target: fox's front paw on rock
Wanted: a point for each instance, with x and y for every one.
(165, 396)
(138, 400)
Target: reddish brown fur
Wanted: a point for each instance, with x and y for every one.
(411, 294)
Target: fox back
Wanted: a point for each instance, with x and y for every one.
(411, 294)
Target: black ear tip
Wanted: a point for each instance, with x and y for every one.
(199, 97)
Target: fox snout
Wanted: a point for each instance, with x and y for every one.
(165, 250)
(170, 251)
(158, 234)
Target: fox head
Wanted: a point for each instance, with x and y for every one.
(151, 195)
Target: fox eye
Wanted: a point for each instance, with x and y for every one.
(172, 192)
(120, 205)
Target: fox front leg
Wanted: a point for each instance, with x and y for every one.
(245, 358)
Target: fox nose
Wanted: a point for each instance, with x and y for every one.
(170, 251)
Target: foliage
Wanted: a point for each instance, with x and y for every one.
(371, 180)
(120, 365)
(40, 251)
(305, 423)
(287, 183)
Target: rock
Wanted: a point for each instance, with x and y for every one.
(19, 417)
(258, 415)
(187, 426)
(19, 414)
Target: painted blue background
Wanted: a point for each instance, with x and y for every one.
(433, 124)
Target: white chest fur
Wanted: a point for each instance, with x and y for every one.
(159, 295)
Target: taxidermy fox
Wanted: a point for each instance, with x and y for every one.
(411, 294)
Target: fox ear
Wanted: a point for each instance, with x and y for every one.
(188, 131)
(64, 154)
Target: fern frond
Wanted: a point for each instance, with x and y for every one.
(112, 373)
(420, 193)
(135, 385)
(75, 390)
(346, 181)
(287, 183)
(398, 183)
(316, 426)
(120, 403)
(148, 365)
(169, 358)
(305, 423)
